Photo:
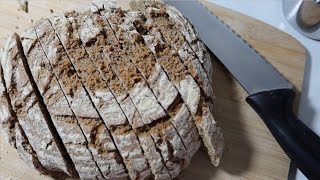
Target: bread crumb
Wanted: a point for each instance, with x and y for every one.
(51, 10)
(24, 5)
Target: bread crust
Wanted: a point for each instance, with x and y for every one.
(126, 143)
(153, 16)
(153, 157)
(200, 108)
(134, 41)
(137, 87)
(99, 141)
(58, 107)
(184, 26)
(109, 94)
(130, 41)
(7, 116)
(28, 109)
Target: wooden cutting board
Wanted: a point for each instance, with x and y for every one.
(250, 152)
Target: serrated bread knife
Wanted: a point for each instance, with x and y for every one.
(270, 94)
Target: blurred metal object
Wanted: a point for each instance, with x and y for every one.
(304, 16)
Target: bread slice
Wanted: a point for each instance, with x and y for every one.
(184, 26)
(29, 111)
(29, 156)
(187, 129)
(171, 146)
(125, 139)
(100, 143)
(7, 115)
(13, 132)
(179, 75)
(154, 158)
(58, 107)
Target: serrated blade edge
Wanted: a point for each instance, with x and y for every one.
(249, 67)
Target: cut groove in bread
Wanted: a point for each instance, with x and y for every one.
(169, 60)
(173, 167)
(155, 18)
(171, 147)
(155, 158)
(91, 78)
(132, 41)
(31, 112)
(97, 52)
(25, 150)
(142, 58)
(154, 15)
(183, 123)
(62, 116)
(29, 156)
(199, 107)
(98, 137)
(170, 129)
(17, 137)
(146, 142)
(125, 140)
(7, 115)
(143, 98)
(184, 26)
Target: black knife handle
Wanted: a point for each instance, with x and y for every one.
(299, 142)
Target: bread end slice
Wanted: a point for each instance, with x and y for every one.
(211, 134)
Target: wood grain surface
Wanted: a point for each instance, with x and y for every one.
(250, 152)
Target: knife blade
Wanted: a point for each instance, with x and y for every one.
(271, 95)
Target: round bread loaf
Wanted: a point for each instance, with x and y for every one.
(109, 94)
